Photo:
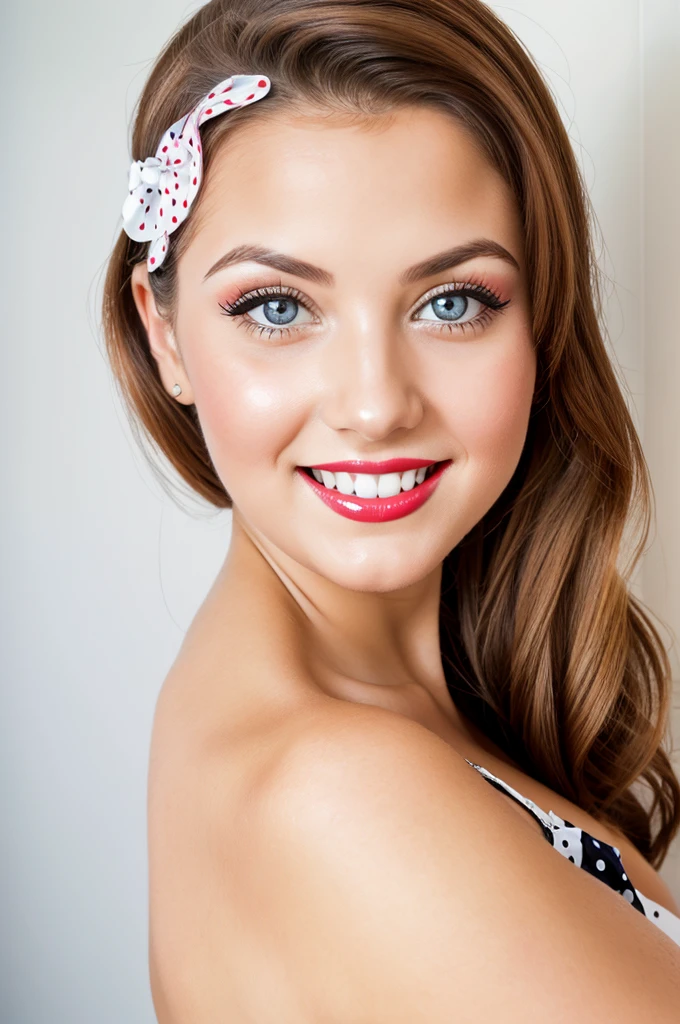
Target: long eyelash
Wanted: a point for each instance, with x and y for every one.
(491, 300)
(249, 300)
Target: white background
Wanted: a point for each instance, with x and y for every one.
(102, 572)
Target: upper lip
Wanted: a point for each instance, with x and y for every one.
(388, 466)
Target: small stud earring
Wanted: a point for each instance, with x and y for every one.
(176, 390)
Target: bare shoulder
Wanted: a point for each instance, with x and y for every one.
(397, 882)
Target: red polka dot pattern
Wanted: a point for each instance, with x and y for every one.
(179, 156)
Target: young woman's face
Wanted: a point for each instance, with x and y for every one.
(355, 351)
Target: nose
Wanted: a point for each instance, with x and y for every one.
(371, 384)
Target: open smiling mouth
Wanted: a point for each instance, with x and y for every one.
(372, 485)
(372, 497)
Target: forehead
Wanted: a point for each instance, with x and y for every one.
(410, 179)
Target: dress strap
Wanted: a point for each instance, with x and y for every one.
(593, 855)
(533, 809)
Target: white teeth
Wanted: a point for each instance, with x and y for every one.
(389, 484)
(366, 485)
(372, 485)
(408, 480)
(344, 483)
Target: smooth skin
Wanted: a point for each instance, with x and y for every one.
(319, 851)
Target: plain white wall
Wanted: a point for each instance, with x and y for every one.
(660, 230)
(102, 572)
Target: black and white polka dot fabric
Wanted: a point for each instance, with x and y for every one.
(593, 855)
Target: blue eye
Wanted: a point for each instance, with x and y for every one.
(452, 308)
(276, 312)
(280, 309)
(456, 307)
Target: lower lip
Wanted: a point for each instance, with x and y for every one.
(377, 510)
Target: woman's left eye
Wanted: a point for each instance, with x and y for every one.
(465, 306)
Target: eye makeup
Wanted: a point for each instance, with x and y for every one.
(488, 300)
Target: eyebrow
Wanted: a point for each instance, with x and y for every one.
(300, 268)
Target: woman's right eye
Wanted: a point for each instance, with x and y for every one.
(278, 311)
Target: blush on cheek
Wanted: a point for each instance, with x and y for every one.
(488, 408)
(247, 419)
(492, 402)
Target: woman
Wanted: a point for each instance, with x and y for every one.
(370, 327)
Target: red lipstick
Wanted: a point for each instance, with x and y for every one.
(376, 510)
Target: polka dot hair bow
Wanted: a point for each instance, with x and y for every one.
(163, 187)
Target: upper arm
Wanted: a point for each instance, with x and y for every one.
(400, 888)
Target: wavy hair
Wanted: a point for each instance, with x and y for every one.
(543, 644)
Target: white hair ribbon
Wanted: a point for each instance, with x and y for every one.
(163, 187)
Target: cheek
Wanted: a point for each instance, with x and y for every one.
(248, 414)
(489, 403)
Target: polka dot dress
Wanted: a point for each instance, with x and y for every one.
(592, 855)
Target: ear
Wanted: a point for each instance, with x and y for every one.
(159, 332)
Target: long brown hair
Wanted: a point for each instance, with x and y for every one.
(543, 644)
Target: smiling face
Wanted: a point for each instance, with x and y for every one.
(345, 349)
